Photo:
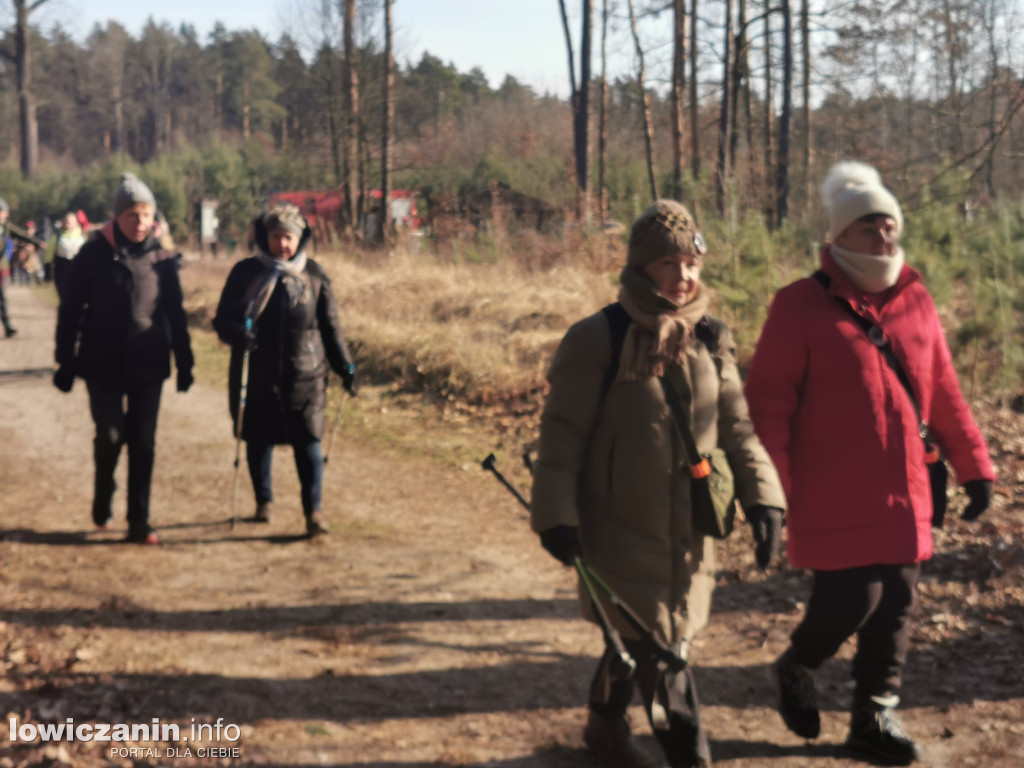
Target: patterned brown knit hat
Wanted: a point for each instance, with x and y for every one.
(287, 217)
(666, 227)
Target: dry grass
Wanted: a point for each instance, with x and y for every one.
(476, 332)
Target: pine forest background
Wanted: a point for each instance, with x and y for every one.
(736, 107)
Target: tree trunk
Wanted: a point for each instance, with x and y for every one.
(739, 76)
(805, 34)
(387, 116)
(645, 104)
(582, 118)
(23, 80)
(769, 120)
(694, 96)
(679, 20)
(117, 100)
(351, 144)
(580, 103)
(782, 176)
(723, 171)
(245, 108)
(602, 150)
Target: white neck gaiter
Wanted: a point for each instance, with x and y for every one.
(872, 274)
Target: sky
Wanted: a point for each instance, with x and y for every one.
(523, 38)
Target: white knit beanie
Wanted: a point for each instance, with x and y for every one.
(853, 190)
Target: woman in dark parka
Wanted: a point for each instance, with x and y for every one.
(121, 317)
(278, 305)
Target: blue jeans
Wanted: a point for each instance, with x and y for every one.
(309, 462)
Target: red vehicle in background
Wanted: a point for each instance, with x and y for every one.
(321, 209)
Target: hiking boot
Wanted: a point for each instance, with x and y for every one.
(264, 511)
(149, 538)
(611, 740)
(875, 731)
(798, 699)
(315, 524)
(10, 331)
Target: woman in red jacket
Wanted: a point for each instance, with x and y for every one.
(851, 444)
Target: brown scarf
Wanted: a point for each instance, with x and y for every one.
(661, 333)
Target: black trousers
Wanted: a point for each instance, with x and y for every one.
(124, 418)
(60, 273)
(670, 701)
(874, 602)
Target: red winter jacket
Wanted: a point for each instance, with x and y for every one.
(841, 429)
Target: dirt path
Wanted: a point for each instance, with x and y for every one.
(428, 629)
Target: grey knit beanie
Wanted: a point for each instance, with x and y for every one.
(666, 227)
(132, 190)
(287, 217)
(3, 205)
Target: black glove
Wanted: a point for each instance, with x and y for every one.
(348, 381)
(563, 542)
(766, 527)
(64, 378)
(937, 477)
(185, 379)
(980, 494)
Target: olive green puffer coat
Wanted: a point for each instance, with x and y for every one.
(612, 464)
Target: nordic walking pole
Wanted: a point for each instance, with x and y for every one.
(330, 438)
(488, 465)
(623, 665)
(675, 662)
(243, 391)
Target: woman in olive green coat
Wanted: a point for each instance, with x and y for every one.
(612, 481)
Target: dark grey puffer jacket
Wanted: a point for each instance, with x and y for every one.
(121, 313)
(296, 347)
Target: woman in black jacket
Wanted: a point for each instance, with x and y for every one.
(279, 314)
(120, 318)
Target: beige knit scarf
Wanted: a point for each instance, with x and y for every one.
(661, 333)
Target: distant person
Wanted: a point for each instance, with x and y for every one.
(26, 265)
(6, 251)
(69, 240)
(121, 318)
(853, 444)
(613, 477)
(279, 314)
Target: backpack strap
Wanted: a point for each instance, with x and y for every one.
(707, 331)
(618, 323)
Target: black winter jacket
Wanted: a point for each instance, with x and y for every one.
(288, 363)
(121, 314)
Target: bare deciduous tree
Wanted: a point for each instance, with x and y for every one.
(782, 172)
(723, 171)
(580, 102)
(679, 34)
(645, 104)
(387, 118)
(22, 60)
(351, 103)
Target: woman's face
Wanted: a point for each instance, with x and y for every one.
(283, 244)
(871, 235)
(675, 276)
(136, 222)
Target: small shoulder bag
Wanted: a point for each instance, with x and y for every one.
(712, 486)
